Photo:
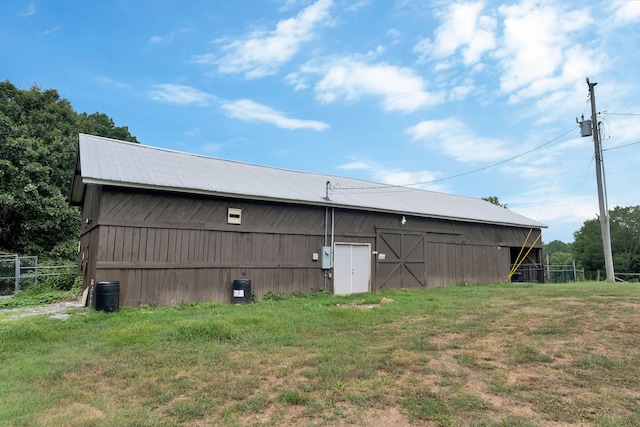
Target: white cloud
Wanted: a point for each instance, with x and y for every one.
(399, 87)
(297, 81)
(622, 129)
(538, 43)
(538, 52)
(415, 179)
(392, 176)
(565, 212)
(356, 165)
(245, 109)
(452, 138)
(626, 12)
(460, 92)
(463, 28)
(179, 94)
(263, 52)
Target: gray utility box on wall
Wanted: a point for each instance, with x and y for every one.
(326, 258)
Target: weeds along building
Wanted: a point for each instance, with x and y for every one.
(175, 227)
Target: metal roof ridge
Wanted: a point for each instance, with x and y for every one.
(373, 185)
(352, 186)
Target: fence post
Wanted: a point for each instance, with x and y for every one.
(17, 272)
(575, 277)
(548, 270)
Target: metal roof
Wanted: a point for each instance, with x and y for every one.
(111, 162)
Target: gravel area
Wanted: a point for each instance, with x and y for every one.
(57, 310)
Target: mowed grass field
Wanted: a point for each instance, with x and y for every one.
(499, 355)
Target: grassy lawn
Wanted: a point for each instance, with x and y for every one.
(500, 355)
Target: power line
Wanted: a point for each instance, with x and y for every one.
(621, 146)
(464, 173)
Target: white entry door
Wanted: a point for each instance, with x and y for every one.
(351, 268)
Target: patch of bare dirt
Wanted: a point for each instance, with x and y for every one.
(57, 310)
(72, 414)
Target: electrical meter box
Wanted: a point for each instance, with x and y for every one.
(325, 256)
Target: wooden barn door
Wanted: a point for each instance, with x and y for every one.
(351, 268)
(401, 259)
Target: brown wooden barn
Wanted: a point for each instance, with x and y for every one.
(174, 227)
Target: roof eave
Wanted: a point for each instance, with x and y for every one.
(77, 185)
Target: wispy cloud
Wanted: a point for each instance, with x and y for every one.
(29, 11)
(394, 35)
(211, 147)
(297, 81)
(261, 53)
(357, 5)
(563, 209)
(167, 38)
(394, 176)
(454, 139)
(111, 82)
(180, 94)
(245, 109)
(400, 88)
(51, 30)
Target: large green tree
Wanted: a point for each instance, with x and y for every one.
(559, 253)
(624, 223)
(38, 140)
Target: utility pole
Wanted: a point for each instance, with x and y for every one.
(604, 211)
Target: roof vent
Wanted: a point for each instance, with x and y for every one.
(234, 216)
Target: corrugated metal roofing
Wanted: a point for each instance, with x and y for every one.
(112, 162)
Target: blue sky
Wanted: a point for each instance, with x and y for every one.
(475, 98)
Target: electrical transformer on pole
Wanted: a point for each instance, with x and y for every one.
(587, 128)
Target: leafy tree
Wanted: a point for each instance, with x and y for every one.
(559, 252)
(494, 200)
(38, 140)
(624, 223)
(102, 125)
(587, 245)
(625, 239)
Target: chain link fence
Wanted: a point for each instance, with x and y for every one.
(536, 273)
(564, 273)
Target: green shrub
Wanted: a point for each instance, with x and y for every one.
(274, 296)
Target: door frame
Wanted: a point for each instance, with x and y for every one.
(405, 268)
(368, 266)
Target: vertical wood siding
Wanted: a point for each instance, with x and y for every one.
(168, 248)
